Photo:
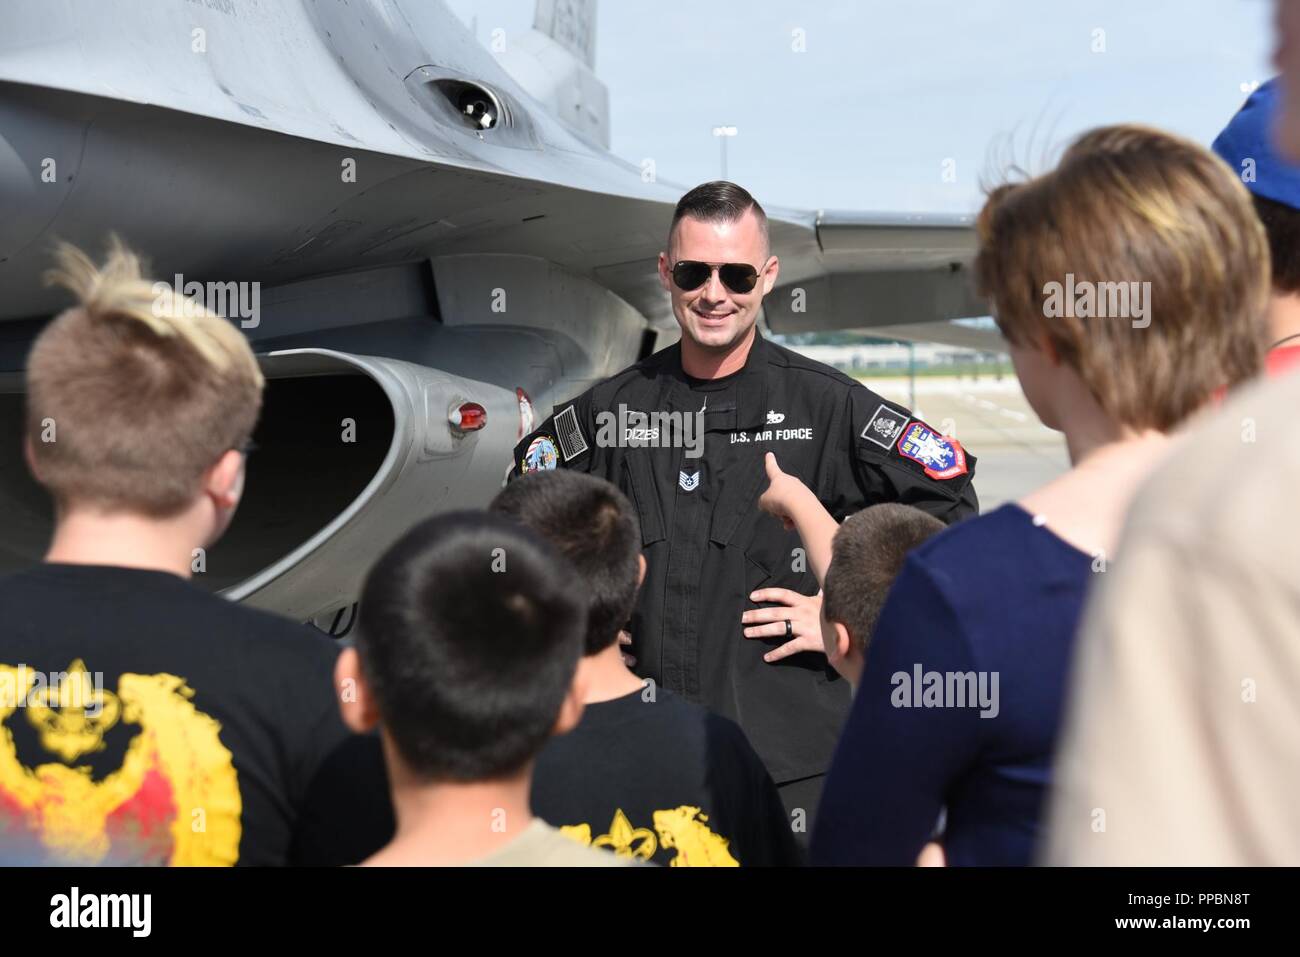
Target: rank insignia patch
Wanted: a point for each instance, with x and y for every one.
(942, 457)
(689, 482)
(540, 457)
(884, 426)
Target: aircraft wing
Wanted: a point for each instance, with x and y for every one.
(263, 104)
(878, 272)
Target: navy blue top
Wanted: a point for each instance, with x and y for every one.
(996, 596)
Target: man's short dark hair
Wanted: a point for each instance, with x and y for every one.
(717, 202)
(592, 524)
(469, 634)
(1282, 226)
(866, 557)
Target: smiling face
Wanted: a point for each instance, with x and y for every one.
(713, 317)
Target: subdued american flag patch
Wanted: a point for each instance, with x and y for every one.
(569, 435)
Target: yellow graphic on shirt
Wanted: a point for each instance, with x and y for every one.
(578, 832)
(683, 829)
(627, 841)
(67, 727)
(175, 799)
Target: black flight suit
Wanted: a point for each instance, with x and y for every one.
(707, 545)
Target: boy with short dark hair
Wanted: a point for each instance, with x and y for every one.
(867, 554)
(468, 642)
(856, 562)
(646, 773)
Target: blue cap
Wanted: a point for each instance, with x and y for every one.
(1249, 136)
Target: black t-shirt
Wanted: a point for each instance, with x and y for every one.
(145, 721)
(663, 780)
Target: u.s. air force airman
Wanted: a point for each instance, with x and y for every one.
(683, 433)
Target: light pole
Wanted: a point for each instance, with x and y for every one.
(724, 133)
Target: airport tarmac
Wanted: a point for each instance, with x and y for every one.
(992, 420)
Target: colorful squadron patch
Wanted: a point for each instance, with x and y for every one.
(941, 456)
(542, 456)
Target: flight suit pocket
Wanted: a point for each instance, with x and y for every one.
(639, 479)
(775, 558)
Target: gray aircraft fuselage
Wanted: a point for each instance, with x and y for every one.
(408, 255)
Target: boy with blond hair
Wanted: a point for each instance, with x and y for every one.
(146, 720)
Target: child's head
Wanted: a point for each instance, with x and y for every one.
(139, 400)
(866, 557)
(469, 635)
(1133, 276)
(1247, 143)
(592, 524)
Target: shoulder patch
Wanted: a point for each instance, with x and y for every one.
(569, 434)
(884, 426)
(541, 456)
(941, 457)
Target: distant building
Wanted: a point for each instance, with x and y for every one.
(895, 356)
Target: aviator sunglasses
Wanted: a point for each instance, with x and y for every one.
(738, 277)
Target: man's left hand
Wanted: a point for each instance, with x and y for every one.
(802, 611)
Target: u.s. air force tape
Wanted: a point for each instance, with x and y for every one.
(569, 435)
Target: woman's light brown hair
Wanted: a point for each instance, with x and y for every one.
(134, 392)
(1131, 204)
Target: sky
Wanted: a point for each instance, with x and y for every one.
(902, 106)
